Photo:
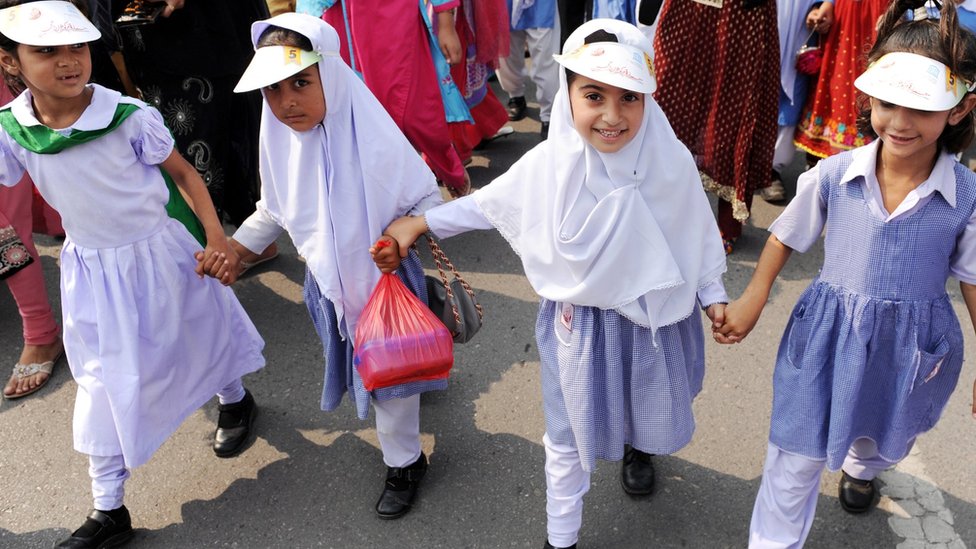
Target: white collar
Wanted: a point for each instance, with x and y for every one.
(942, 179)
(97, 115)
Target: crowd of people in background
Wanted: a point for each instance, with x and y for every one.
(264, 115)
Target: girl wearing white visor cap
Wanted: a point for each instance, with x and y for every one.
(873, 348)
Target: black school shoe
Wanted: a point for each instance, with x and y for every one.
(235, 427)
(550, 546)
(400, 489)
(856, 496)
(101, 530)
(637, 472)
(516, 108)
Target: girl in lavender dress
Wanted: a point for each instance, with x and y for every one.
(147, 340)
(873, 349)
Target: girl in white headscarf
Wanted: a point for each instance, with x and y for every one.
(335, 170)
(617, 237)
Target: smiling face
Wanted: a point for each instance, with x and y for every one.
(298, 101)
(906, 133)
(53, 73)
(606, 116)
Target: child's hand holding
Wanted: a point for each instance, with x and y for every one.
(740, 318)
(406, 231)
(220, 260)
(820, 19)
(386, 254)
(716, 313)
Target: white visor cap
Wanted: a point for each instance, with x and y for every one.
(272, 64)
(47, 23)
(913, 81)
(625, 63)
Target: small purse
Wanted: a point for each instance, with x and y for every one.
(453, 302)
(809, 57)
(13, 253)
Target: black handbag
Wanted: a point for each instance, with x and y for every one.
(452, 301)
(13, 253)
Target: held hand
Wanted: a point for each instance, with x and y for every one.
(716, 313)
(821, 19)
(386, 254)
(405, 231)
(448, 39)
(740, 318)
(221, 261)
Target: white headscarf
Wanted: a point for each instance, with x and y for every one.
(336, 187)
(630, 230)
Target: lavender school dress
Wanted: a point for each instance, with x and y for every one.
(873, 348)
(148, 342)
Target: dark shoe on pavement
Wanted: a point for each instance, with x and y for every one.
(637, 472)
(775, 192)
(101, 530)
(544, 132)
(856, 496)
(550, 546)
(400, 489)
(235, 427)
(516, 108)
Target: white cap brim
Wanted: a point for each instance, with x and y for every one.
(612, 63)
(47, 23)
(912, 81)
(272, 64)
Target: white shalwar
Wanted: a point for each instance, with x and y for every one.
(148, 342)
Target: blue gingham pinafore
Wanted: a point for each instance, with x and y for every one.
(605, 382)
(873, 347)
(340, 374)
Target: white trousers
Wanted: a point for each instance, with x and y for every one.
(398, 428)
(787, 499)
(566, 484)
(785, 149)
(108, 473)
(542, 44)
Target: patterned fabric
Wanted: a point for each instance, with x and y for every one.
(718, 82)
(187, 66)
(340, 374)
(607, 382)
(873, 348)
(828, 124)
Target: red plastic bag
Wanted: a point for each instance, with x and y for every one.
(399, 340)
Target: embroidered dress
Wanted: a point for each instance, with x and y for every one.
(341, 375)
(148, 341)
(606, 382)
(828, 123)
(718, 76)
(873, 348)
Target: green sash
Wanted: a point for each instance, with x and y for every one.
(42, 140)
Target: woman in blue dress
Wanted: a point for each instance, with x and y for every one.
(873, 349)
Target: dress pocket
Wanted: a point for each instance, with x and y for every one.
(929, 363)
(798, 336)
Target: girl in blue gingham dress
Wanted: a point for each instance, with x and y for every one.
(617, 237)
(873, 349)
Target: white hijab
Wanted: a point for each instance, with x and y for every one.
(336, 187)
(631, 231)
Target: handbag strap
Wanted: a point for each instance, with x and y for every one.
(440, 259)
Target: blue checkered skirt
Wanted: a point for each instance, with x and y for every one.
(607, 382)
(340, 374)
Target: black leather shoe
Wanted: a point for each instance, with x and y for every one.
(101, 530)
(234, 427)
(516, 108)
(856, 496)
(544, 132)
(400, 489)
(550, 546)
(637, 472)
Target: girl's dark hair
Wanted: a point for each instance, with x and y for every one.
(279, 36)
(941, 39)
(15, 84)
(598, 35)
